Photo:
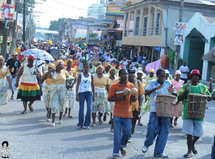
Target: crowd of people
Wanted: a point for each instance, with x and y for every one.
(105, 80)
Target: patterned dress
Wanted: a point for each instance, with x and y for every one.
(70, 93)
(101, 102)
(3, 85)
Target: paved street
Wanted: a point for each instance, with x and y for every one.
(31, 137)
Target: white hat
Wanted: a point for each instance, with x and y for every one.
(178, 72)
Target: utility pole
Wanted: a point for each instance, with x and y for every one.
(24, 17)
(5, 36)
(178, 47)
(15, 27)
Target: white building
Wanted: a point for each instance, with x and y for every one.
(97, 11)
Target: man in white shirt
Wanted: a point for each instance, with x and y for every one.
(184, 71)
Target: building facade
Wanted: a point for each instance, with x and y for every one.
(148, 25)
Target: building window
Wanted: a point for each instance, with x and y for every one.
(137, 26)
(145, 25)
(157, 27)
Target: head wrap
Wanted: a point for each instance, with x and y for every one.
(178, 72)
(69, 60)
(2, 58)
(51, 65)
(152, 70)
(106, 64)
(31, 57)
(101, 67)
(111, 69)
(58, 62)
(167, 71)
(15, 54)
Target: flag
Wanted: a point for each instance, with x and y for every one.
(50, 42)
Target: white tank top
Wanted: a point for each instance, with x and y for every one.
(85, 84)
(27, 76)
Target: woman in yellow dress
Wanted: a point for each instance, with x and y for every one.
(112, 79)
(49, 80)
(70, 93)
(4, 77)
(58, 89)
(102, 85)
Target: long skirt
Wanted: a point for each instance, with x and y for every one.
(70, 98)
(29, 92)
(57, 97)
(46, 97)
(101, 103)
(3, 91)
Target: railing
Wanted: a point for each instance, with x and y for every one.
(144, 32)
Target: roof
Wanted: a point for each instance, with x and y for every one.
(209, 19)
(205, 2)
(197, 2)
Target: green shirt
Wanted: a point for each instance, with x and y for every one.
(192, 89)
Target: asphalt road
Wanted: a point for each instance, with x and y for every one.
(30, 136)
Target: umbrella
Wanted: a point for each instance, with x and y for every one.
(38, 54)
(210, 56)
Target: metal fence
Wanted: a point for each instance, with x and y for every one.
(143, 32)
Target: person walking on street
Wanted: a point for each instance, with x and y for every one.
(58, 89)
(85, 91)
(102, 86)
(184, 71)
(122, 114)
(29, 90)
(70, 92)
(158, 126)
(4, 78)
(136, 106)
(14, 64)
(193, 128)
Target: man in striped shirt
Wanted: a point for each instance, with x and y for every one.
(122, 113)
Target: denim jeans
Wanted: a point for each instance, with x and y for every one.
(118, 124)
(157, 127)
(213, 149)
(82, 97)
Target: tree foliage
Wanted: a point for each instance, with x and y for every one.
(57, 24)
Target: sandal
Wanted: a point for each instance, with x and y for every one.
(24, 112)
(123, 152)
(31, 108)
(175, 122)
(194, 151)
(188, 155)
(11, 98)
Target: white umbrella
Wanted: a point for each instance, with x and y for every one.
(38, 54)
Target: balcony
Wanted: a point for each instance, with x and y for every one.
(143, 37)
(143, 32)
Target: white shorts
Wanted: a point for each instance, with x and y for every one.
(193, 127)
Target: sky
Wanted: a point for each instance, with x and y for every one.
(54, 9)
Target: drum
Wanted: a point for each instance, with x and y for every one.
(165, 105)
(197, 104)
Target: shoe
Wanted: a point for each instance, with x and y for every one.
(195, 152)
(140, 124)
(86, 127)
(129, 140)
(111, 130)
(79, 127)
(171, 126)
(104, 118)
(144, 149)
(24, 112)
(60, 121)
(11, 98)
(115, 157)
(188, 155)
(53, 124)
(123, 152)
(161, 156)
(93, 125)
(48, 120)
(110, 122)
